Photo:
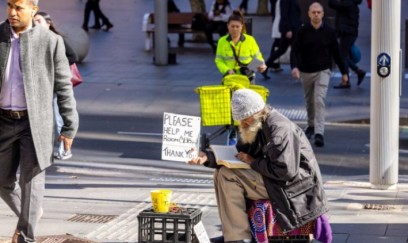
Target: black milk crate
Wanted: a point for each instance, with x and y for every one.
(291, 239)
(176, 227)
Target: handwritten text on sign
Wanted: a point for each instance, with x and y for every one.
(180, 134)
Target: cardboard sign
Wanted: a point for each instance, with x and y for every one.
(200, 232)
(181, 135)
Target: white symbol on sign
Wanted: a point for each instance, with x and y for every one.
(384, 71)
(383, 60)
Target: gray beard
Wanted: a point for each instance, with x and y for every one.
(248, 134)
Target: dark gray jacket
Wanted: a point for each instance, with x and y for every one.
(347, 16)
(285, 159)
(290, 16)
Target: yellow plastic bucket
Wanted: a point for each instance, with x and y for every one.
(161, 200)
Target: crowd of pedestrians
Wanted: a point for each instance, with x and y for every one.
(278, 151)
(311, 58)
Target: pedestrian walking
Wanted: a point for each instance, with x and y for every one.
(44, 19)
(33, 66)
(281, 162)
(347, 21)
(289, 25)
(276, 36)
(311, 60)
(93, 5)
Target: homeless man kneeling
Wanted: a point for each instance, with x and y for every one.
(283, 169)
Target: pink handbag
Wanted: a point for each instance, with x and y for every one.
(76, 76)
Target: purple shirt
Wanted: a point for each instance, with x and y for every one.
(12, 96)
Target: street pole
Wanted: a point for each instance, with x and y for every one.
(161, 49)
(385, 92)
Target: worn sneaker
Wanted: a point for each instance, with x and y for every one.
(319, 140)
(309, 132)
(64, 155)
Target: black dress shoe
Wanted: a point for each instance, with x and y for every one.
(319, 140)
(342, 86)
(84, 27)
(108, 27)
(309, 132)
(218, 239)
(360, 76)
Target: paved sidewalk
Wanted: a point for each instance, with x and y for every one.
(121, 81)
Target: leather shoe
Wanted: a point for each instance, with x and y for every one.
(218, 239)
(360, 76)
(342, 86)
(108, 27)
(319, 140)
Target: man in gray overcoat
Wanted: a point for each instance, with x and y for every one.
(33, 67)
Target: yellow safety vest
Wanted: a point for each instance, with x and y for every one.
(245, 49)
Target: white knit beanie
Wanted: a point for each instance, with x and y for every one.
(245, 103)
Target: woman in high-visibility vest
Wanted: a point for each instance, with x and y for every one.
(237, 52)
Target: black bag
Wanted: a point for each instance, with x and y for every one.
(243, 69)
(199, 22)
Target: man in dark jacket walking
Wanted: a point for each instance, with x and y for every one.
(347, 20)
(311, 60)
(283, 169)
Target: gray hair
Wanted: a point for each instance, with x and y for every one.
(262, 115)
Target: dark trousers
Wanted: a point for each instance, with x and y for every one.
(17, 152)
(345, 44)
(244, 5)
(283, 47)
(93, 5)
(219, 27)
(275, 47)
